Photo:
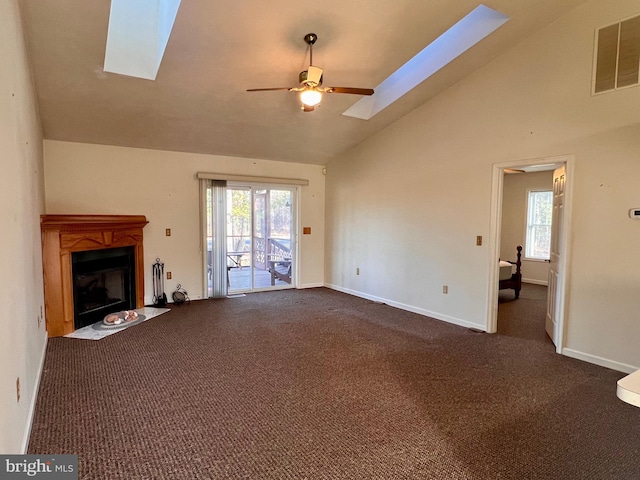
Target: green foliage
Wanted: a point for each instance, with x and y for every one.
(238, 217)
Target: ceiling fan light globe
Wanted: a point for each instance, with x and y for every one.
(311, 98)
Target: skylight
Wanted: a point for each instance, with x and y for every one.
(478, 24)
(138, 35)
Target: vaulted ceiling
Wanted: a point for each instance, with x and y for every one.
(219, 49)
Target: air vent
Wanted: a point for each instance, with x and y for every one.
(617, 58)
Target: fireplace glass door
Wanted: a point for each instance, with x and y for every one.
(103, 283)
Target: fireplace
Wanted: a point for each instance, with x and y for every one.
(93, 265)
(103, 282)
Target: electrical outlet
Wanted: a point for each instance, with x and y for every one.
(18, 389)
(479, 240)
(168, 275)
(358, 271)
(445, 289)
(167, 232)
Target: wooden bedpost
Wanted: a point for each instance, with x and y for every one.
(515, 280)
(518, 274)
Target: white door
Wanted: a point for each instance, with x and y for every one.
(551, 324)
(260, 238)
(273, 239)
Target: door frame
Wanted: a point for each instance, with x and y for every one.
(497, 184)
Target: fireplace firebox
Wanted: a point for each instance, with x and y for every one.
(103, 283)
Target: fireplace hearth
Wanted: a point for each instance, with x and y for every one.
(93, 266)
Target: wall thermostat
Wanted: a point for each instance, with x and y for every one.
(635, 213)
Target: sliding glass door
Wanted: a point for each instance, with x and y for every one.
(260, 238)
(272, 238)
(239, 264)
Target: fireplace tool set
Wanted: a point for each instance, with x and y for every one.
(159, 297)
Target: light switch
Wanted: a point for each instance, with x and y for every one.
(306, 230)
(168, 232)
(479, 240)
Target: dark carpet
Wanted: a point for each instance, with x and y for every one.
(316, 384)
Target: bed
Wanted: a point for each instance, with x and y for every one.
(508, 279)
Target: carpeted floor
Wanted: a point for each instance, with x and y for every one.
(316, 384)
(524, 317)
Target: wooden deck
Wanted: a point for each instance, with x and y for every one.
(240, 280)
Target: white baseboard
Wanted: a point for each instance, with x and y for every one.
(310, 285)
(34, 397)
(603, 362)
(535, 282)
(409, 308)
(594, 359)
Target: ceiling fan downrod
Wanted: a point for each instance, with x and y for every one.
(310, 39)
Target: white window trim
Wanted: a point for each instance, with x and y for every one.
(526, 225)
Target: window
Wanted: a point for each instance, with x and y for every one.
(539, 213)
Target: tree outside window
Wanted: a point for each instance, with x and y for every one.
(539, 214)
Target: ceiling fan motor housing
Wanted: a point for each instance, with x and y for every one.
(311, 76)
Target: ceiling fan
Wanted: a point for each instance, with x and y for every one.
(310, 83)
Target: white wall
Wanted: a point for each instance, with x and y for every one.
(23, 337)
(97, 179)
(514, 221)
(406, 206)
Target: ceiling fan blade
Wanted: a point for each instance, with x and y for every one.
(354, 91)
(268, 89)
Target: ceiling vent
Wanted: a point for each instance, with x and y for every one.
(617, 56)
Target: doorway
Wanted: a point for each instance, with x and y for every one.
(259, 238)
(556, 291)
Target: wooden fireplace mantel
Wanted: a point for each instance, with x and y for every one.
(63, 235)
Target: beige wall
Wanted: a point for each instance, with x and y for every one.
(91, 179)
(405, 206)
(23, 336)
(514, 221)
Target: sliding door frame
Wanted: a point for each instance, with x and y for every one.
(293, 184)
